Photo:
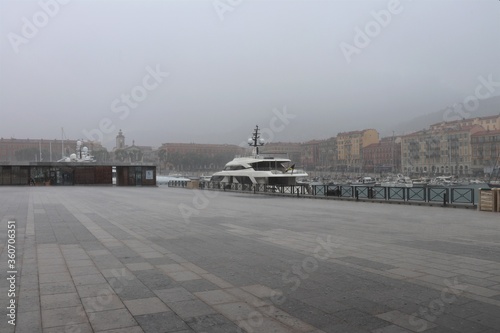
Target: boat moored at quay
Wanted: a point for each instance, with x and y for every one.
(398, 181)
(259, 169)
(271, 174)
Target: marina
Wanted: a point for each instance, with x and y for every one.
(233, 166)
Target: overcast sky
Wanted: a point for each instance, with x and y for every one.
(209, 71)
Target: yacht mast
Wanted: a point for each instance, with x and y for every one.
(256, 141)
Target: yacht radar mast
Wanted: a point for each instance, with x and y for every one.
(256, 141)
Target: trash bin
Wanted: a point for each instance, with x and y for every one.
(487, 200)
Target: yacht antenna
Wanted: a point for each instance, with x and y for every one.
(256, 141)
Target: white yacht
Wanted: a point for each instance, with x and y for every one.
(364, 181)
(82, 155)
(398, 181)
(259, 168)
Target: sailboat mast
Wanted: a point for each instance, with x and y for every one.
(62, 142)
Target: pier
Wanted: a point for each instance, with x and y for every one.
(160, 259)
(455, 197)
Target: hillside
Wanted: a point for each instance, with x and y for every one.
(487, 107)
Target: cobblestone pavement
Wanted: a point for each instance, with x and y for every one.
(116, 259)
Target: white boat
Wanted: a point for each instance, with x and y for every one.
(398, 181)
(82, 155)
(258, 168)
(420, 181)
(441, 181)
(365, 181)
(164, 180)
(204, 179)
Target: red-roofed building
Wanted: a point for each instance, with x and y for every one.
(41, 150)
(384, 156)
(310, 154)
(197, 156)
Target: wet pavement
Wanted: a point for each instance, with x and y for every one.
(116, 259)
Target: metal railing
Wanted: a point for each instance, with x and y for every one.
(444, 195)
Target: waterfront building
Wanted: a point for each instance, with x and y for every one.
(384, 156)
(120, 140)
(490, 123)
(41, 150)
(132, 154)
(310, 154)
(197, 156)
(328, 154)
(485, 151)
(442, 150)
(292, 149)
(350, 148)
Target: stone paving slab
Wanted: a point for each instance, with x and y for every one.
(131, 260)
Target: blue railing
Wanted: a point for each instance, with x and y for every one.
(442, 195)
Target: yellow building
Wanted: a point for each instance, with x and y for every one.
(350, 148)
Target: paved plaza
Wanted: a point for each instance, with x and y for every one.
(130, 260)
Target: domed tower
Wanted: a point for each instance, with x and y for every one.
(120, 140)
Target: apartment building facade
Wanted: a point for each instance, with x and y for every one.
(350, 148)
(445, 150)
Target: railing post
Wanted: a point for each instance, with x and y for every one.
(444, 198)
(356, 194)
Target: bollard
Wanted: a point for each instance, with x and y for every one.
(356, 194)
(444, 199)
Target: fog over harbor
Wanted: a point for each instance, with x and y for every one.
(209, 71)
